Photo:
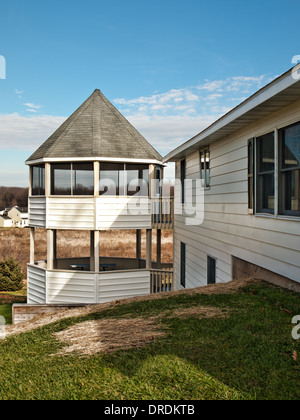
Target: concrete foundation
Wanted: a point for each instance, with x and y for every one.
(242, 269)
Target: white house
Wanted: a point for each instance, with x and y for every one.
(248, 164)
(93, 174)
(19, 216)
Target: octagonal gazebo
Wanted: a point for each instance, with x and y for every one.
(96, 173)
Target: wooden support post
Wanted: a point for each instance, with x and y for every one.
(97, 250)
(55, 249)
(92, 251)
(50, 249)
(149, 249)
(32, 245)
(158, 248)
(138, 244)
(47, 179)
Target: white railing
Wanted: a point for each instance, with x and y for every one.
(161, 281)
(162, 213)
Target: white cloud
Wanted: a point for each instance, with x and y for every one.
(26, 133)
(32, 107)
(171, 118)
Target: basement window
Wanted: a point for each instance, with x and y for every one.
(211, 270)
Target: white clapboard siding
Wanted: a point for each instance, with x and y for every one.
(36, 284)
(37, 211)
(120, 285)
(228, 230)
(71, 213)
(71, 287)
(123, 213)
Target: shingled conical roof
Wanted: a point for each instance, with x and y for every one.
(96, 129)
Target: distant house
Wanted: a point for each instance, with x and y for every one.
(248, 166)
(5, 221)
(19, 216)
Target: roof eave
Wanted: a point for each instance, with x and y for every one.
(93, 159)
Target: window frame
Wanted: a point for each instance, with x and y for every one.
(259, 174)
(251, 176)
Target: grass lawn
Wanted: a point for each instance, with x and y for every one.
(245, 351)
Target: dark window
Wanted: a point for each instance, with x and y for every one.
(205, 168)
(265, 174)
(289, 182)
(182, 179)
(38, 180)
(137, 180)
(72, 179)
(124, 179)
(251, 171)
(211, 270)
(182, 264)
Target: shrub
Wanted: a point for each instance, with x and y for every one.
(11, 275)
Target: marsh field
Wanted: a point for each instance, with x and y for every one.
(15, 243)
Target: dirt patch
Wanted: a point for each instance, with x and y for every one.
(201, 312)
(42, 320)
(108, 335)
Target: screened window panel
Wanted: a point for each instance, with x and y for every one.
(112, 179)
(83, 179)
(137, 180)
(38, 180)
(61, 179)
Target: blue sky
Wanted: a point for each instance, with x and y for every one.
(171, 67)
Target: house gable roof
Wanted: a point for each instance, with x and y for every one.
(96, 129)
